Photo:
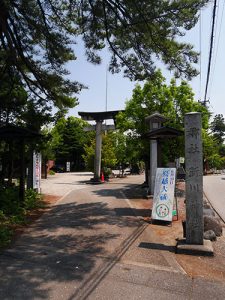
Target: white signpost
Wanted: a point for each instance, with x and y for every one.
(164, 194)
(37, 171)
(68, 166)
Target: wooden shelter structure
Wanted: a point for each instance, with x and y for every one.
(10, 133)
(157, 133)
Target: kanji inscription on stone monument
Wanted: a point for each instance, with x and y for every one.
(194, 179)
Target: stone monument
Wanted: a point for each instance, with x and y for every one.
(194, 179)
(194, 243)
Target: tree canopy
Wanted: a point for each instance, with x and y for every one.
(140, 32)
(217, 127)
(108, 157)
(172, 100)
(66, 142)
(37, 36)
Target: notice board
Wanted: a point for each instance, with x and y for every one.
(164, 194)
(37, 171)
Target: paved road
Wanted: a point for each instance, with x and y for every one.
(214, 189)
(92, 245)
(61, 184)
(65, 253)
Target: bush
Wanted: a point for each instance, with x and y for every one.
(215, 161)
(10, 203)
(32, 199)
(5, 235)
(5, 231)
(13, 212)
(107, 171)
(51, 172)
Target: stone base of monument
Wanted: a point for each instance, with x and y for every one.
(204, 250)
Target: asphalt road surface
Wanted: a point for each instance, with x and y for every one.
(214, 189)
(62, 184)
(93, 244)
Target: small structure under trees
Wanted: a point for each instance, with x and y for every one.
(15, 136)
(157, 132)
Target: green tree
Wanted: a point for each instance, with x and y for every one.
(119, 140)
(172, 100)
(89, 155)
(35, 41)
(217, 154)
(68, 140)
(108, 159)
(217, 127)
(139, 32)
(118, 150)
(17, 105)
(13, 98)
(37, 37)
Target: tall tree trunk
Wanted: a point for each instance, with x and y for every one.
(10, 164)
(22, 171)
(4, 164)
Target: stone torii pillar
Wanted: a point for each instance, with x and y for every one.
(98, 149)
(98, 117)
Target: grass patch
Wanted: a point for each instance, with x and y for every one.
(13, 213)
(51, 172)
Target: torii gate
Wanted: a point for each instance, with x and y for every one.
(98, 117)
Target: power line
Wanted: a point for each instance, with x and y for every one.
(106, 89)
(217, 47)
(210, 51)
(200, 50)
(106, 93)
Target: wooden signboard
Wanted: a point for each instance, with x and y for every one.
(164, 194)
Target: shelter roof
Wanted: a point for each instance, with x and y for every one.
(156, 117)
(13, 131)
(163, 133)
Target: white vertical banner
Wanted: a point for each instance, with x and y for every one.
(37, 171)
(68, 166)
(164, 194)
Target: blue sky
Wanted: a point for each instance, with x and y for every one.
(120, 89)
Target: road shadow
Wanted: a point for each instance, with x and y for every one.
(156, 246)
(130, 191)
(134, 212)
(72, 183)
(63, 246)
